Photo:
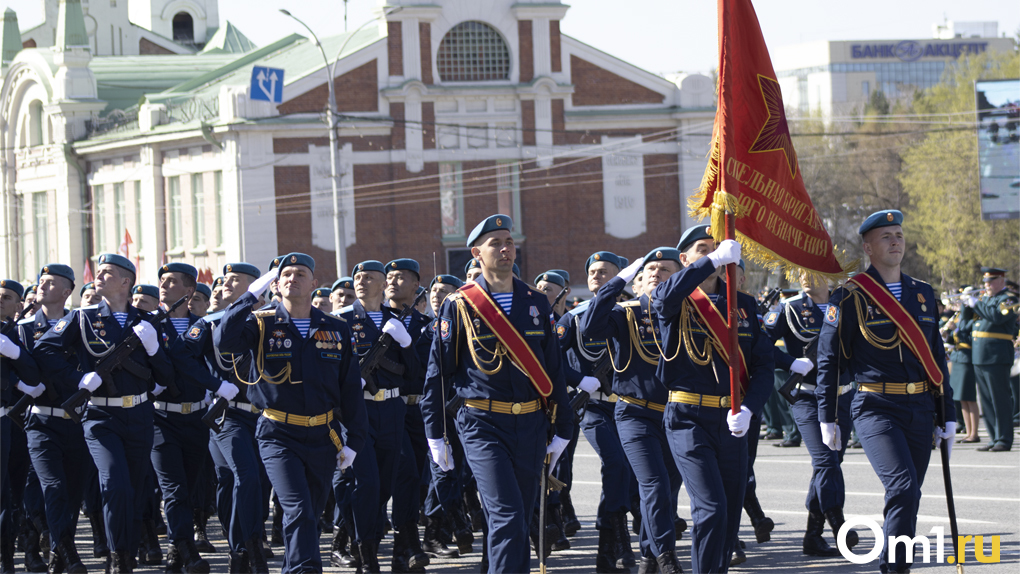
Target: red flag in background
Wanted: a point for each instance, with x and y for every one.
(123, 249)
(753, 171)
(87, 276)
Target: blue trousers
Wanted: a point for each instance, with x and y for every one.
(564, 470)
(414, 453)
(826, 490)
(599, 427)
(240, 499)
(59, 455)
(505, 452)
(996, 402)
(179, 448)
(897, 437)
(120, 441)
(299, 462)
(644, 440)
(713, 464)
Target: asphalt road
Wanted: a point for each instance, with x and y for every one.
(986, 487)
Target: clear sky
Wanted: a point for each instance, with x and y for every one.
(662, 36)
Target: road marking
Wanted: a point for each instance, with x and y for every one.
(880, 518)
(937, 496)
(855, 463)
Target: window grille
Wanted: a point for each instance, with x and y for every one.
(473, 52)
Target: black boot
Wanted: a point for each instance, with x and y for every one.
(550, 533)
(835, 518)
(462, 533)
(473, 507)
(555, 517)
(120, 563)
(635, 512)
(7, 555)
(238, 562)
(68, 552)
(149, 552)
(647, 565)
(621, 543)
(338, 555)
(56, 563)
(99, 547)
(256, 557)
(417, 558)
(201, 540)
(369, 557)
(400, 553)
(483, 564)
(668, 564)
(737, 556)
(433, 542)
(190, 558)
(604, 558)
(762, 524)
(33, 559)
(355, 555)
(174, 565)
(276, 538)
(570, 522)
(814, 542)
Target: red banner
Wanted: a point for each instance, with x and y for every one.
(753, 171)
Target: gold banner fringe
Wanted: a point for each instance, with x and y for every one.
(695, 203)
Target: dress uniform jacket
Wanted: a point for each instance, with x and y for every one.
(994, 332)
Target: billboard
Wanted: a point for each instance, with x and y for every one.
(998, 111)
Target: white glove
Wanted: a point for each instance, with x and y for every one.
(227, 390)
(556, 448)
(740, 422)
(207, 400)
(259, 285)
(589, 385)
(90, 381)
(345, 458)
(441, 454)
(363, 384)
(149, 337)
(948, 434)
(969, 300)
(830, 435)
(396, 330)
(631, 271)
(158, 389)
(9, 348)
(802, 366)
(727, 252)
(31, 391)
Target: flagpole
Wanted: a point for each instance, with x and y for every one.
(731, 301)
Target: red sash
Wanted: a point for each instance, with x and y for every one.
(719, 331)
(907, 326)
(508, 335)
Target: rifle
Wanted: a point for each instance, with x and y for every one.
(786, 391)
(559, 298)
(769, 300)
(17, 412)
(603, 371)
(120, 357)
(954, 529)
(372, 360)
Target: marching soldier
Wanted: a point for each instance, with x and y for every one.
(472, 270)
(628, 330)
(342, 294)
(118, 429)
(88, 296)
(883, 327)
(302, 370)
(145, 298)
(994, 331)
(320, 300)
(552, 284)
(707, 441)
(199, 302)
(497, 347)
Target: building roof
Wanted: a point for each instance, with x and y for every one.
(10, 37)
(123, 81)
(228, 39)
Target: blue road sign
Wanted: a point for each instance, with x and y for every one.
(266, 84)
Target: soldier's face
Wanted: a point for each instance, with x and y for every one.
(496, 251)
(112, 280)
(172, 287)
(10, 303)
(475, 272)
(599, 273)
(551, 290)
(296, 282)
(322, 304)
(401, 285)
(341, 297)
(701, 248)
(438, 294)
(369, 284)
(90, 297)
(198, 304)
(885, 245)
(53, 290)
(235, 284)
(812, 285)
(656, 272)
(993, 286)
(146, 303)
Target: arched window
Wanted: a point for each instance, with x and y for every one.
(184, 27)
(35, 123)
(473, 52)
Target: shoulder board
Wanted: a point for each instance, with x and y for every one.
(213, 316)
(580, 308)
(88, 307)
(27, 321)
(265, 313)
(797, 297)
(631, 303)
(347, 309)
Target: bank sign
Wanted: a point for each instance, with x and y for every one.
(911, 50)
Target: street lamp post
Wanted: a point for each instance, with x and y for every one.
(339, 225)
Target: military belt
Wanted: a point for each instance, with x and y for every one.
(700, 400)
(298, 420)
(50, 412)
(183, 408)
(600, 396)
(383, 395)
(411, 399)
(988, 335)
(963, 345)
(504, 408)
(125, 402)
(840, 390)
(894, 388)
(643, 403)
(244, 406)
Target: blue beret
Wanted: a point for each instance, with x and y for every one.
(150, 290)
(30, 289)
(204, 289)
(178, 267)
(606, 256)
(662, 254)
(218, 282)
(321, 292)
(447, 280)
(741, 264)
(13, 285)
(343, 283)
(370, 265)
(419, 290)
(246, 268)
(404, 265)
(275, 262)
(297, 259)
(883, 218)
(86, 287)
(693, 235)
(562, 273)
(551, 277)
(471, 264)
(488, 225)
(992, 273)
(58, 269)
(517, 271)
(118, 260)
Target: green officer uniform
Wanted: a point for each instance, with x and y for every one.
(992, 355)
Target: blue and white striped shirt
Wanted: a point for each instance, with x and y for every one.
(302, 326)
(896, 289)
(505, 301)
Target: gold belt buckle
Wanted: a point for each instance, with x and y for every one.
(515, 408)
(127, 402)
(380, 396)
(724, 402)
(185, 408)
(313, 420)
(910, 388)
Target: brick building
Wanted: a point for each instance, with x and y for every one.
(450, 111)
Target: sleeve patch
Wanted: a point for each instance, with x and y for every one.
(832, 315)
(60, 326)
(194, 333)
(772, 318)
(561, 331)
(444, 329)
